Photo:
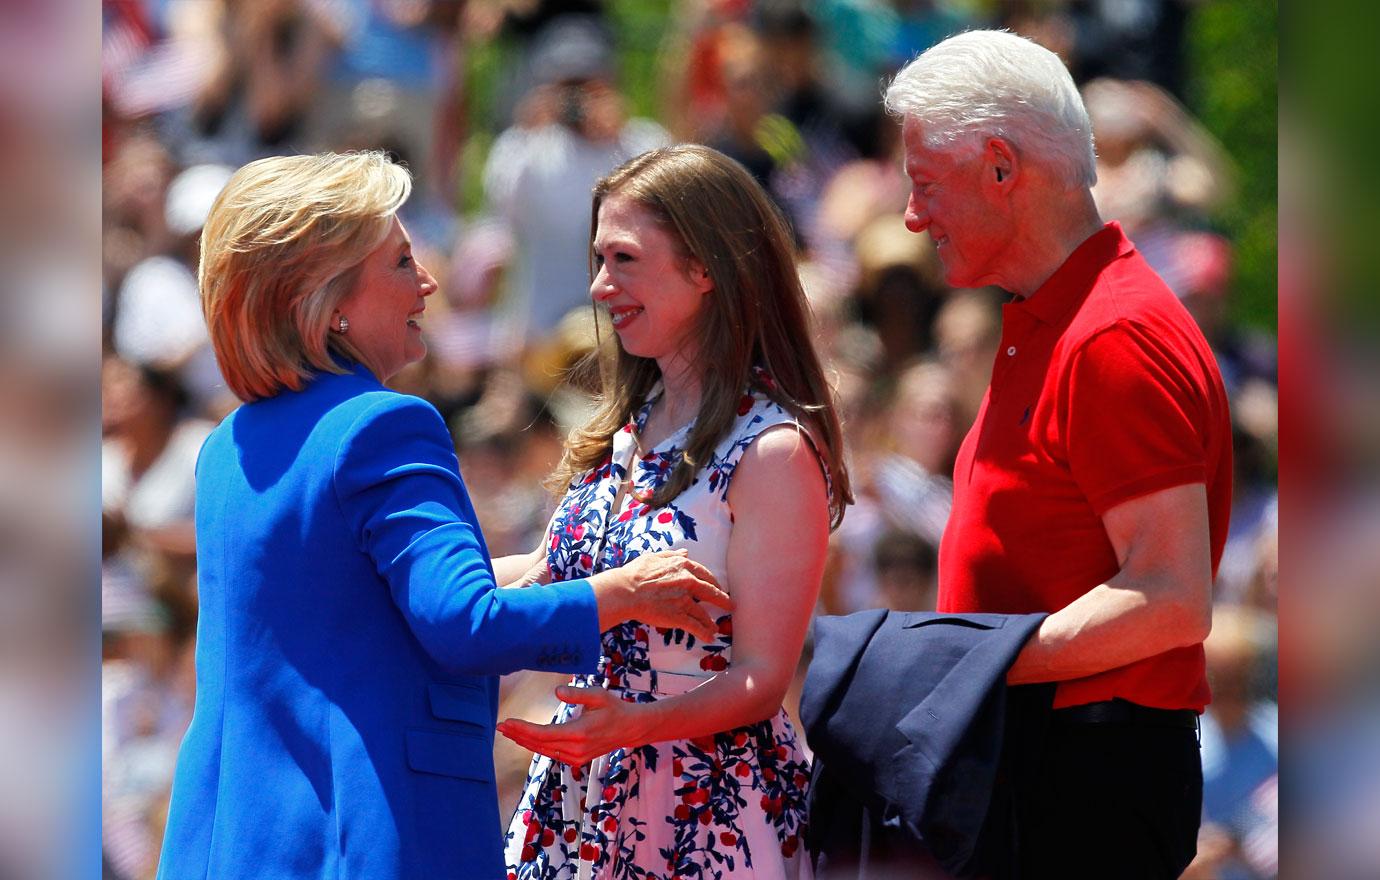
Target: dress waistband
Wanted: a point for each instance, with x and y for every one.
(663, 683)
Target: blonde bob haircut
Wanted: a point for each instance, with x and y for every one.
(280, 250)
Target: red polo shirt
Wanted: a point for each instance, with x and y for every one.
(1103, 391)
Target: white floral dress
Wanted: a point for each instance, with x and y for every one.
(730, 805)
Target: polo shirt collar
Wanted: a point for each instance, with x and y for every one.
(1069, 285)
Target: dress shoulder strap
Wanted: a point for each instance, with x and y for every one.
(756, 413)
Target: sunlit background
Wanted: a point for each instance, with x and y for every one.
(506, 111)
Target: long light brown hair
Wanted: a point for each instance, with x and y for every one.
(756, 317)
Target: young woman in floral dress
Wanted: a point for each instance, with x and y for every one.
(715, 433)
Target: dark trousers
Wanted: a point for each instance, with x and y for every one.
(1112, 802)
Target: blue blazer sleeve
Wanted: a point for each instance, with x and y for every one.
(398, 483)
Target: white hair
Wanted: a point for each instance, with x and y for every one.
(983, 84)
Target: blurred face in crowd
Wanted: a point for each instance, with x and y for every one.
(956, 197)
(385, 307)
(653, 293)
(924, 419)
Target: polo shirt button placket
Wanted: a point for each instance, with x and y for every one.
(1000, 370)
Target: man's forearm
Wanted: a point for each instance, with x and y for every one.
(1106, 628)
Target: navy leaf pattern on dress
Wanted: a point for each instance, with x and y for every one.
(709, 808)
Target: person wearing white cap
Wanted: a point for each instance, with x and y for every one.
(570, 132)
(158, 313)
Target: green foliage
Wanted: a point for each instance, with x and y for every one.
(1233, 89)
(639, 30)
(486, 65)
(1330, 112)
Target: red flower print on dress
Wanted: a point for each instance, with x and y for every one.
(726, 791)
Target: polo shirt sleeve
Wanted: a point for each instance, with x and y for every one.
(398, 484)
(1131, 412)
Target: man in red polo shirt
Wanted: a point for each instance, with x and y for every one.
(1096, 482)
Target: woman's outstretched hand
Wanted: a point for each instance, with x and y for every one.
(660, 589)
(606, 723)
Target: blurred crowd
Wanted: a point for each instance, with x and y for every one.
(194, 88)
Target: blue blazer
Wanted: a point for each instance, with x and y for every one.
(349, 639)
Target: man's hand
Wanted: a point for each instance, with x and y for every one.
(660, 589)
(605, 723)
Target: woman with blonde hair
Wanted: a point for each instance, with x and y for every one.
(714, 432)
(350, 628)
